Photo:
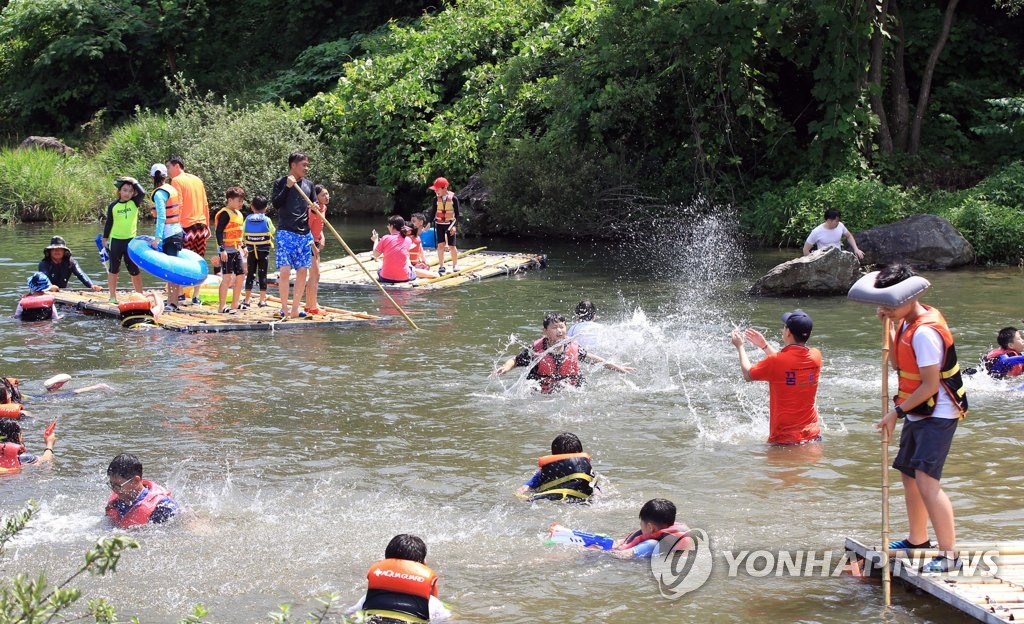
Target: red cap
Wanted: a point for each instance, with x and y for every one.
(440, 183)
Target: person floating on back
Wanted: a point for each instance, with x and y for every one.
(59, 265)
(38, 303)
(998, 362)
(564, 475)
(13, 454)
(401, 588)
(657, 521)
(792, 375)
(554, 360)
(136, 501)
(831, 234)
(932, 399)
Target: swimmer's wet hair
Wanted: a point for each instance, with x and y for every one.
(659, 511)
(585, 310)
(406, 546)
(553, 317)
(125, 465)
(566, 443)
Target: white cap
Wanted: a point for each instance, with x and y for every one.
(158, 167)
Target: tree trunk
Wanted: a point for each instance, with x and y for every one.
(875, 75)
(899, 93)
(926, 78)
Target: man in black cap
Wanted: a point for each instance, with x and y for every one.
(58, 265)
(792, 375)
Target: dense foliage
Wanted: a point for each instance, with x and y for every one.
(579, 116)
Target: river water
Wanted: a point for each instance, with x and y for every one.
(301, 453)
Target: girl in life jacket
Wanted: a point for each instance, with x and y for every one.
(657, 521)
(553, 360)
(401, 588)
(13, 454)
(565, 475)
(38, 304)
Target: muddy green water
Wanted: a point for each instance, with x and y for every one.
(302, 453)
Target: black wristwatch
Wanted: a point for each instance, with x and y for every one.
(899, 412)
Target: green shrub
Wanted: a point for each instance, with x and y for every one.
(996, 231)
(788, 215)
(43, 185)
(134, 146)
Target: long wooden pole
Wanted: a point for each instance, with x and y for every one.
(353, 254)
(886, 572)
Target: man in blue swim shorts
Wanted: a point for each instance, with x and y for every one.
(294, 239)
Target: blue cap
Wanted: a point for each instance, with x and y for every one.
(38, 282)
(798, 322)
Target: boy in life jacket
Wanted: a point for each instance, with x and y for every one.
(1010, 345)
(446, 218)
(38, 304)
(401, 588)
(13, 454)
(136, 501)
(658, 531)
(564, 475)
(229, 228)
(258, 236)
(554, 360)
(932, 400)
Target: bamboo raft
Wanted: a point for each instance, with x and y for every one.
(205, 318)
(989, 588)
(474, 265)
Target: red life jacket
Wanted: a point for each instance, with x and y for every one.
(905, 363)
(135, 312)
(678, 529)
(11, 410)
(416, 251)
(566, 476)
(553, 368)
(994, 354)
(400, 589)
(34, 302)
(9, 461)
(140, 512)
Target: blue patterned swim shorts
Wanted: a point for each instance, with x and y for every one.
(294, 250)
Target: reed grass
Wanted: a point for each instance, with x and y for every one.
(42, 185)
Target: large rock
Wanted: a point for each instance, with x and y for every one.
(49, 143)
(473, 198)
(825, 272)
(922, 241)
(362, 199)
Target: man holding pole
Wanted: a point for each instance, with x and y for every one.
(294, 239)
(932, 399)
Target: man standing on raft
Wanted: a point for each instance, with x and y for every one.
(792, 376)
(932, 398)
(294, 238)
(194, 211)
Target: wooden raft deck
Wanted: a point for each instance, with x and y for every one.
(205, 318)
(474, 265)
(989, 588)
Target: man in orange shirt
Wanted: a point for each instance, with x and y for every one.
(195, 208)
(792, 376)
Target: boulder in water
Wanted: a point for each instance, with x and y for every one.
(830, 271)
(362, 199)
(922, 241)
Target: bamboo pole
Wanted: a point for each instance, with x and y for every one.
(886, 572)
(341, 240)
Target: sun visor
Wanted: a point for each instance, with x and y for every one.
(864, 291)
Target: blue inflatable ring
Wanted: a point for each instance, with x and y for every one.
(186, 269)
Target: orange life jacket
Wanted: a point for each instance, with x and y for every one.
(416, 251)
(140, 512)
(678, 529)
(172, 209)
(11, 410)
(569, 475)
(235, 228)
(400, 589)
(9, 461)
(905, 363)
(445, 210)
